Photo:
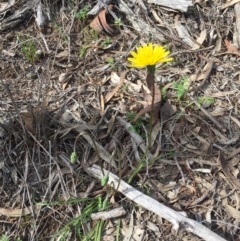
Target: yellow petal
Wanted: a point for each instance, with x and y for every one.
(148, 54)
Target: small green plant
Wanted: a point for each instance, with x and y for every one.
(82, 51)
(118, 230)
(82, 14)
(146, 187)
(181, 87)
(28, 48)
(106, 42)
(73, 157)
(104, 180)
(109, 60)
(164, 92)
(205, 99)
(124, 87)
(5, 238)
(118, 21)
(93, 34)
(92, 205)
(143, 163)
(89, 34)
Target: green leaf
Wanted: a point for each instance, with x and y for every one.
(73, 157)
(104, 180)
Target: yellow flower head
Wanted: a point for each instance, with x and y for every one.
(149, 55)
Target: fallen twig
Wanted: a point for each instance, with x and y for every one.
(211, 62)
(152, 205)
(114, 213)
(207, 114)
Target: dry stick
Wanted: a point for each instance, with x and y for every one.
(234, 153)
(190, 51)
(200, 199)
(211, 62)
(179, 168)
(174, 217)
(166, 34)
(105, 215)
(206, 113)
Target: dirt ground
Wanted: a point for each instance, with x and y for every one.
(66, 89)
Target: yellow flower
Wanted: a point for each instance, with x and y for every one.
(149, 55)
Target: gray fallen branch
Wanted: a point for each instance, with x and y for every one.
(181, 5)
(99, 6)
(174, 217)
(237, 25)
(105, 215)
(138, 23)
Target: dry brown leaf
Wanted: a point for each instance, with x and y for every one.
(131, 87)
(218, 111)
(235, 120)
(155, 15)
(229, 3)
(218, 46)
(129, 229)
(113, 92)
(155, 108)
(167, 110)
(157, 99)
(147, 96)
(200, 39)
(64, 79)
(155, 132)
(231, 49)
(18, 212)
(152, 226)
(147, 109)
(220, 94)
(102, 104)
(183, 33)
(138, 233)
(63, 53)
(228, 171)
(231, 211)
(28, 121)
(203, 184)
(196, 77)
(4, 6)
(202, 75)
(8, 53)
